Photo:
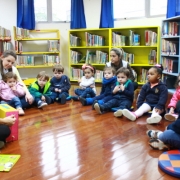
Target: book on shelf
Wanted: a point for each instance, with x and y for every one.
(170, 65)
(143, 75)
(7, 161)
(169, 47)
(75, 57)
(134, 39)
(5, 34)
(53, 45)
(129, 57)
(94, 40)
(75, 40)
(170, 29)
(22, 33)
(150, 38)
(152, 57)
(118, 39)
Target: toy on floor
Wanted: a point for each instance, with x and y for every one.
(169, 162)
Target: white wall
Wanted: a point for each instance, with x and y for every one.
(92, 12)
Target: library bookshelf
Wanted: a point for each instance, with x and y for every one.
(137, 43)
(36, 50)
(170, 58)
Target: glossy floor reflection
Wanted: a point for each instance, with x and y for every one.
(73, 142)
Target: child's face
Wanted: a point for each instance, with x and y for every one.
(41, 82)
(121, 78)
(8, 61)
(11, 82)
(88, 73)
(153, 76)
(108, 74)
(114, 58)
(57, 74)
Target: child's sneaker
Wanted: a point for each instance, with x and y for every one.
(154, 119)
(118, 113)
(63, 99)
(170, 117)
(158, 144)
(20, 111)
(128, 114)
(41, 104)
(98, 108)
(75, 98)
(152, 134)
(83, 101)
(2, 144)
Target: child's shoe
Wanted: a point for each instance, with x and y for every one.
(63, 99)
(83, 101)
(170, 117)
(2, 144)
(128, 114)
(118, 113)
(94, 104)
(75, 98)
(154, 119)
(99, 108)
(20, 111)
(158, 144)
(41, 104)
(152, 134)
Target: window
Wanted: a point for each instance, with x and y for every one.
(128, 8)
(52, 10)
(141, 8)
(158, 7)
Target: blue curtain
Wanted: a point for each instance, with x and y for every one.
(25, 14)
(173, 8)
(107, 15)
(77, 14)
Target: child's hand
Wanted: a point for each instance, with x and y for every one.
(10, 120)
(43, 98)
(116, 89)
(56, 90)
(91, 86)
(158, 111)
(122, 87)
(59, 90)
(171, 111)
(14, 88)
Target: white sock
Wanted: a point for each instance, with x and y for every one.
(142, 109)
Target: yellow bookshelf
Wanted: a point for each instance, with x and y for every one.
(36, 49)
(141, 51)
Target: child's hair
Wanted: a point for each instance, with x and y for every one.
(119, 52)
(85, 66)
(43, 75)
(58, 68)
(110, 69)
(123, 70)
(9, 75)
(159, 68)
(4, 55)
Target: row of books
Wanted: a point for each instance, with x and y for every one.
(170, 28)
(152, 58)
(5, 34)
(29, 60)
(75, 40)
(97, 57)
(169, 47)
(94, 40)
(143, 75)
(75, 57)
(170, 65)
(128, 57)
(22, 33)
(5, 46)
(77, 73)
(118, 39)
(52, 46)
(134, 39)
(150, 38)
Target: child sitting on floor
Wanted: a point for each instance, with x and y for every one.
(11, 90)
(153, 96)
(172, 116)
(86, 83)
(108, 83)
(60, 85)
(123, 93)
(40, 90)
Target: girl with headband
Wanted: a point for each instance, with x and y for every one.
(86, 83)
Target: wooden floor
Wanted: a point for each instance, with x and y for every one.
(73, 142)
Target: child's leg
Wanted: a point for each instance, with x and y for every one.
(139, 112)
(88, 91)
(155, 117)
(53, 96)
(62, 97)
(40, 103)
(17, 104)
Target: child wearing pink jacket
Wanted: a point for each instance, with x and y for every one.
(10, 91)
(172, 116)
